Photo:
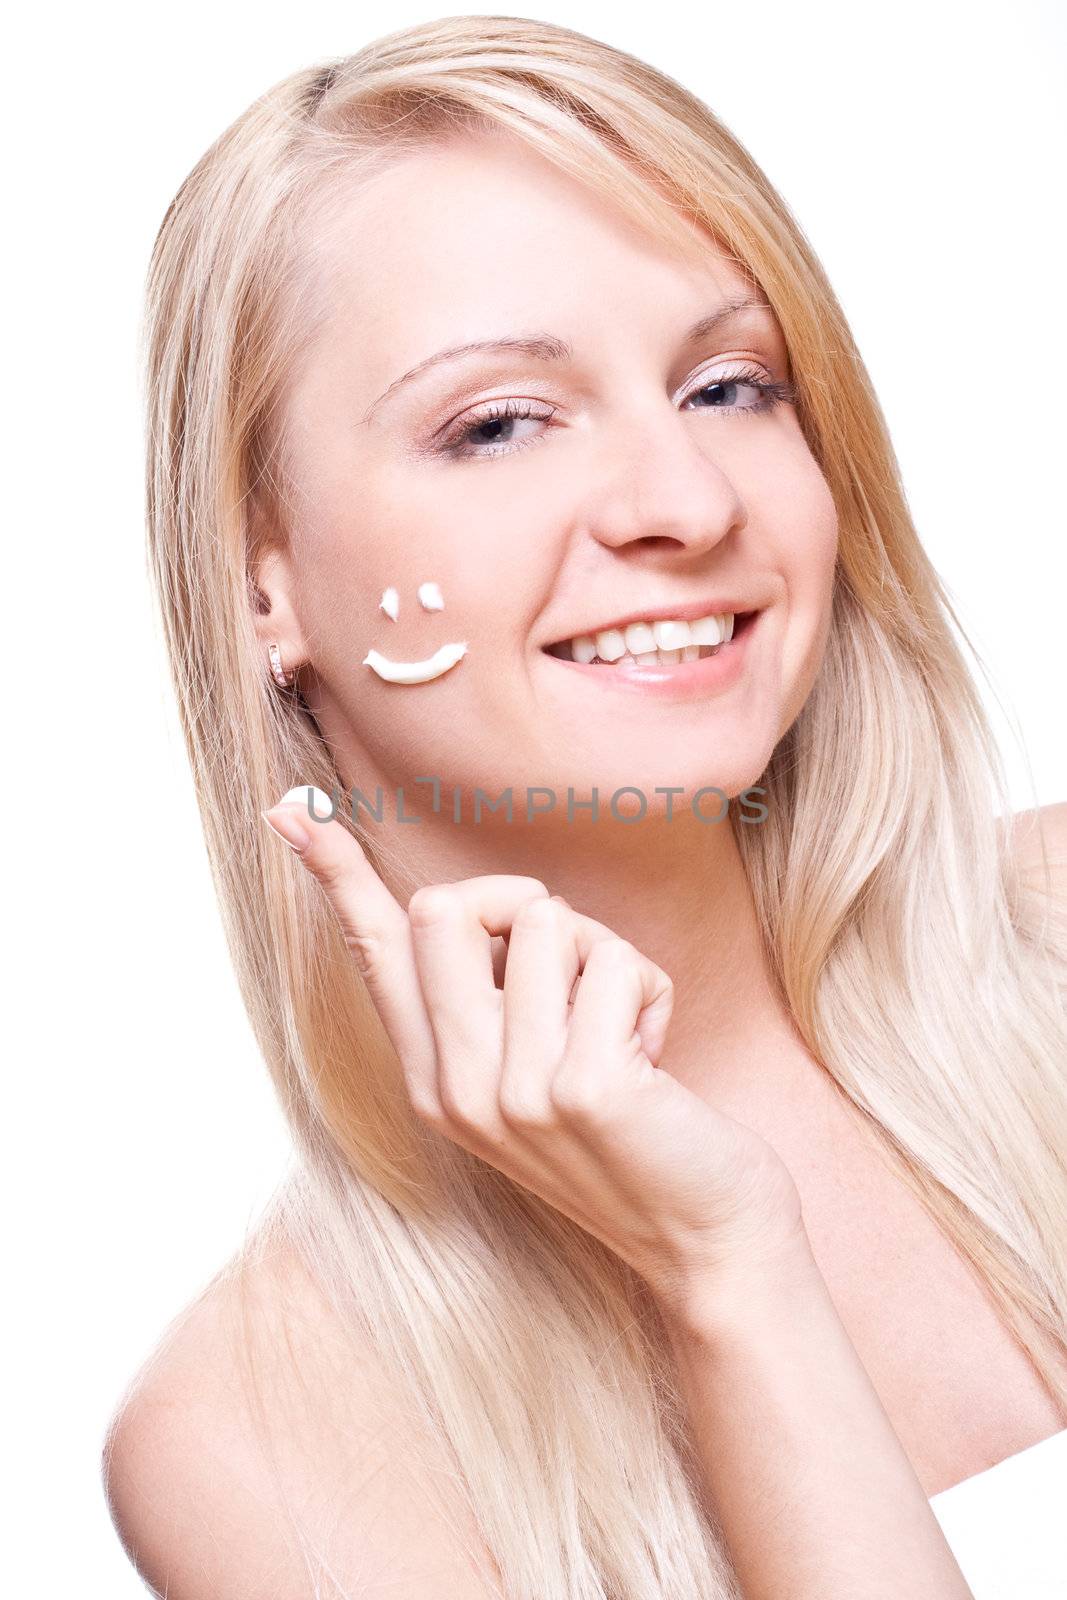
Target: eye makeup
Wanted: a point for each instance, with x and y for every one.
(460, 440)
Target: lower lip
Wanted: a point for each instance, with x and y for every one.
(683, 680)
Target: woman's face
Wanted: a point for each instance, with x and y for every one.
(644, 480)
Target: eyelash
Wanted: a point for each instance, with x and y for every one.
(772, 394)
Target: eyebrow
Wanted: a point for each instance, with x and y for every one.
(547, 347)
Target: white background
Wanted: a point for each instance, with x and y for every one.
(921, 148)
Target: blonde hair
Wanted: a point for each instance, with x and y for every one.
(922, 968)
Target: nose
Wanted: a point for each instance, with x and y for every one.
(660, 486)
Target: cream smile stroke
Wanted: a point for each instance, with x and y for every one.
(415, 671)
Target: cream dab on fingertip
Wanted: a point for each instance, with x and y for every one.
(321, 804)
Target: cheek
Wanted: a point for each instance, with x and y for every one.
(808, 558)
(486, 569)
(802, 523)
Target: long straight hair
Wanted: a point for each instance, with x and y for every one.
(925, 971)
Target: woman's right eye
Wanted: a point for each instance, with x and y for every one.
(486, 427)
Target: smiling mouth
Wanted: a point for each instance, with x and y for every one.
(663, 658)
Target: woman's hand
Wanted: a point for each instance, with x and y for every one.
(553, 1078)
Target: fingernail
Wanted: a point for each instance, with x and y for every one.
(287, 825)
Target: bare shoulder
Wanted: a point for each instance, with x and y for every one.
(259, 1453)
(1040, 835)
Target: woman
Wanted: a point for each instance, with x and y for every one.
(682, 1151)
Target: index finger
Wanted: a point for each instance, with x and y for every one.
(375, 926)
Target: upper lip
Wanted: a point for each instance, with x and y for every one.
(680, 610)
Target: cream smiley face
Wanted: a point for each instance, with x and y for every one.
(446, 656)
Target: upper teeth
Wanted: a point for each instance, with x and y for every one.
(641, 637)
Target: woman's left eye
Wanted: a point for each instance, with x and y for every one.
(493, 425)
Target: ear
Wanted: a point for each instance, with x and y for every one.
(273, 614)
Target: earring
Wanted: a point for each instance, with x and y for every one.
(282, 678)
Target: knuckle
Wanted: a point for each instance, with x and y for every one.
(432, 903)
(427, 1107)
(613, 951)
(576, 1096)
(519, 1108)
(367, 949)
(538, 912)
(462, 1107)
(331, 873)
